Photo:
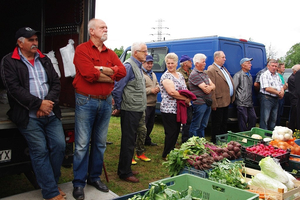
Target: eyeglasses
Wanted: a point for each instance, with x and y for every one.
(145, 51)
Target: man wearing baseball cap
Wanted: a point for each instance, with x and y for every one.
(242, 82)
(186, 69)
(33, 89)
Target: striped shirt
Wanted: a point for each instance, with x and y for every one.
(38, 80)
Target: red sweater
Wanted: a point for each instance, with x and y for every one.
(86, 57)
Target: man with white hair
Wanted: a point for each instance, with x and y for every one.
(97, 67)
(294, 98)
(131, 101)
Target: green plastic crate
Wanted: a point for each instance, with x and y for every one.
(207, 188)
(221, 139)
(244, 138)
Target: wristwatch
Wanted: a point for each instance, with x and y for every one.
(101, 69)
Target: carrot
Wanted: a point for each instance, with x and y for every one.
(261, 195)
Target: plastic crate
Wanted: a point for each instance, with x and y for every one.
(196, 172)
(206, 189)
(220, 139)
(244, 138)
(254, 157)
(127, 196)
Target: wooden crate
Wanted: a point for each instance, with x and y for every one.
(269, 194)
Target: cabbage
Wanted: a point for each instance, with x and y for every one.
(272, 169)
(263, 181)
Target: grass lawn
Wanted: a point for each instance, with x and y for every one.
(149, 171)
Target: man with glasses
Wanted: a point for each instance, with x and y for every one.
(130, 101)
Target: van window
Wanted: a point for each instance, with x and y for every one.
(158, 55)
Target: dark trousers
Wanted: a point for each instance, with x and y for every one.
(219, 119)
(280, 111)
(149, 120)
(129, 124)
(172, 128)
(186, 127)
(293, 118)
(246, 118)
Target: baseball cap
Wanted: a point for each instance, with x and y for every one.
(185, 58)
(149, 58)
(26, 32)
(245, 60)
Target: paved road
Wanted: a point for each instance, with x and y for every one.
(90, 194)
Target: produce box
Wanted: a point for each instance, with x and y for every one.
(208, 190)
(292, 166)
(221, 139)
(254, 157)
(196, 172)
(245, 139)
(127, 196)
(271, 195)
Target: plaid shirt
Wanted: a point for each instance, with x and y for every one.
(38, 80)
(267, 79)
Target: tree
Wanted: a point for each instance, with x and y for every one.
(293, 56)
(271, 52)
(119, 51)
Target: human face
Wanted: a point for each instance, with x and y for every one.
(100, 31)
(171, 65)
(246, 66)
(30, 45)
(141, 54)
(148, 65)
(272, 67)
(189, 64)
(201, 65)
(281, 69)
(220, 60)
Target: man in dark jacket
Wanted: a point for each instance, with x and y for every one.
(33, 89)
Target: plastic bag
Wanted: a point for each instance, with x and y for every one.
(54, 61)
(67, 54)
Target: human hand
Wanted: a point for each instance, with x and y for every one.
(40, 113)
(116, 112)
(46, 106)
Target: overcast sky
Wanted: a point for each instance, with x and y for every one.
(274, 23)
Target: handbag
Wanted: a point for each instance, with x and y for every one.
(208, 102)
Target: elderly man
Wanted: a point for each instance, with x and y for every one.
(294, 98)
(271, 89)
(243, 96)
(33, 90)
(222, 96)
(185, 69)
(202, 87)
(131, 100)
(97, 67)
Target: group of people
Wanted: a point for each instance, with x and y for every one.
(189, 97)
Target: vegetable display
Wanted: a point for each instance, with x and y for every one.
(266, 150)
(160, 191)
(200, 154)
(227, 172)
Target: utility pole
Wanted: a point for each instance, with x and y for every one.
(159, 29)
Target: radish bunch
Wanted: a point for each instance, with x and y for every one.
(231, 152)
(202, 162)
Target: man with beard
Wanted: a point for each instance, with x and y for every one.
(97, 67)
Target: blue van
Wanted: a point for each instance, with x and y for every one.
(234, 49)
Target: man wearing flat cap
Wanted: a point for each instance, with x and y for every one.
(186, 69)
(242, 82)
(33, 89)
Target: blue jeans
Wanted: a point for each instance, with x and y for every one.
(200, 119)
(46, 142)
(91, 124)
(268, 112)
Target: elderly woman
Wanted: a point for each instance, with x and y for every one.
(170, 83)
(201, 86)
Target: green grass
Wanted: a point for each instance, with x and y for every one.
(149, 171)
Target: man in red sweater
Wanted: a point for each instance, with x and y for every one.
(97, 67)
